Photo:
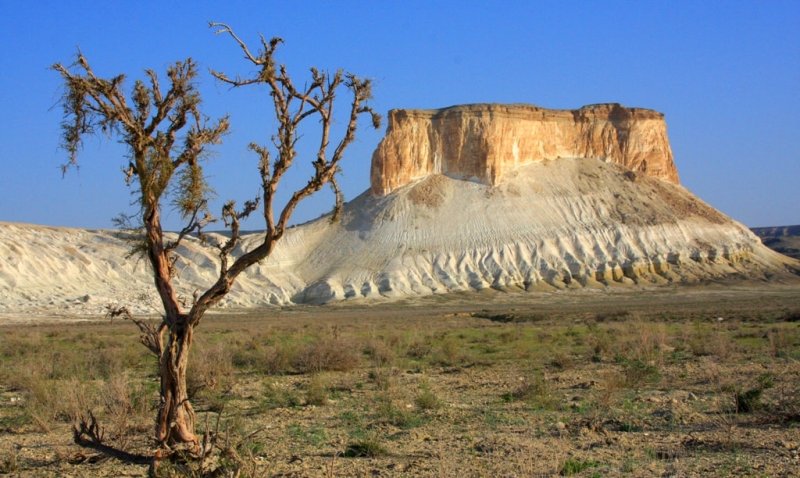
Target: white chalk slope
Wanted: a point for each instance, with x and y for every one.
(555, 224)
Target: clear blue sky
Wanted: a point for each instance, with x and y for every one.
(726, 74)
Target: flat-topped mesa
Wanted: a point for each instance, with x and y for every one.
(486, 141)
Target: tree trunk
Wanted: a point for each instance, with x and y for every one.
(176, 418)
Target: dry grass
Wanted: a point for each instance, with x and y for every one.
(212, 371)
(327, 353)
(535, 391)
(317, 390)
(416, 397)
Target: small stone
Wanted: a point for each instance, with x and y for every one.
(691, 397)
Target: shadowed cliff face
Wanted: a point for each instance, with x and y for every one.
(485, 142)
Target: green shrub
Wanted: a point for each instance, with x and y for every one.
(426, 399)
(573, 466)
(366, 448)
(535, 391)
(637, 373)
(748, 401)
(387, 411)
(275, 396)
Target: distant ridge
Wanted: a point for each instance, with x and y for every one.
(773, 231)
(783, 239)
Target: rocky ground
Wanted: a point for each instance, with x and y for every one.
(671, 381)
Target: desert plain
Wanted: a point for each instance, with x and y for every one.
(697, 380)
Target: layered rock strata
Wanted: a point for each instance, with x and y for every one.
(485, 142)
(566, 223)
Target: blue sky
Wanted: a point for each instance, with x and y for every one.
(726, 75)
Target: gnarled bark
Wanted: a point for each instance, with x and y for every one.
(175, 423)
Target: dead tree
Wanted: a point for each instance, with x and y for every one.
(167, 136)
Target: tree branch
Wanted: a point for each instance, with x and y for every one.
(89, 434)
(291, 107)
(151, 336)
(223, 29)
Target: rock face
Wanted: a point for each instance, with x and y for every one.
(485, 142)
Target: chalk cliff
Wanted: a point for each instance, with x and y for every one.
(485, 142)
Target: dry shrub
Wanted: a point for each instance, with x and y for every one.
(317, 390)
(418, 349)
(263, 357)
(383, 378)
(705, 340)
(277, 396)
(369, 447)
(49, 401)
(326, 354)
(746, 397)
(560, 359)
(379, 352)
(601, 344)
(107, 362)
(127, 404)
(780, 343)
(608, 393)
(451, 352)
(427, 399)
(790, 316)
(710, 372)
(511, 334)
(210, 370)
(645, 342)
(393, 411)
(612, 315)
(535, 391)
(244, 353)
(785, 404)
(275, 359)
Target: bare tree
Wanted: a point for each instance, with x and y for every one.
(167, 136)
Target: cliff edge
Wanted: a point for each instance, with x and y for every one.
(485, 142)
